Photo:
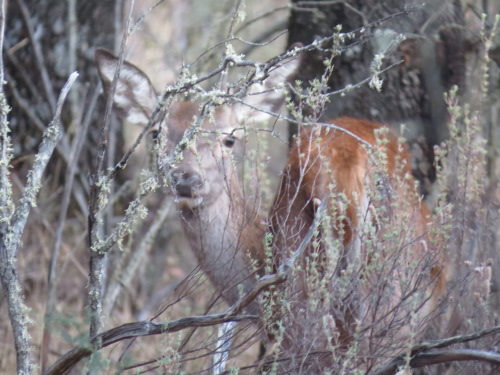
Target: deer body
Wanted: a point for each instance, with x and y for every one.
(225, 232)
(331, 164)
(324, 161)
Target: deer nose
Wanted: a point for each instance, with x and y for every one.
(186, 182)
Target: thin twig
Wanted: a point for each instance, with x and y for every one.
(73, 54)
(263, 39)
(97, 257)
(262, 16)
(330, 125)
(51, 137)
(71, 170)
(22, 72)
(23, 104)
(139, 254)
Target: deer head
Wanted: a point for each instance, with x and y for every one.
(221, 227)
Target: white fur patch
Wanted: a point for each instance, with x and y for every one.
(183, 202)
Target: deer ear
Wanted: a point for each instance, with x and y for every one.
(270, 95)
(283, 72)
(135, 97)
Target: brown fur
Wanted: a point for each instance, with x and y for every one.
(319, 157)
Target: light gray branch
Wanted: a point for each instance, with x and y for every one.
(124, 279)
(51, 137)
(12, 227)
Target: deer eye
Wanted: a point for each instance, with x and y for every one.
(229, 141)
(154, 134)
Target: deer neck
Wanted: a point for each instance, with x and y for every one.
(226, 238)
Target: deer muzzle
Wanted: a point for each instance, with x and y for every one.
(186, 184)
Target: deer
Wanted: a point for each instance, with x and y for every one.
(326, 161)
(222, 228)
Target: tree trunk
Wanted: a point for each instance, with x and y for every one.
(412, 93)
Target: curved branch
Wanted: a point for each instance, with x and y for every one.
(424, 355)
(138, 329)
(435, 344)
(435, 357)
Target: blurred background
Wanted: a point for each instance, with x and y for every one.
(153, 273)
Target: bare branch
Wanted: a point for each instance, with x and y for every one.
(98, 187)
(12, 228)
(51, 137)
(435, 357)
(456, 339)
(139, 329)
(71, 171)
(424, 355)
